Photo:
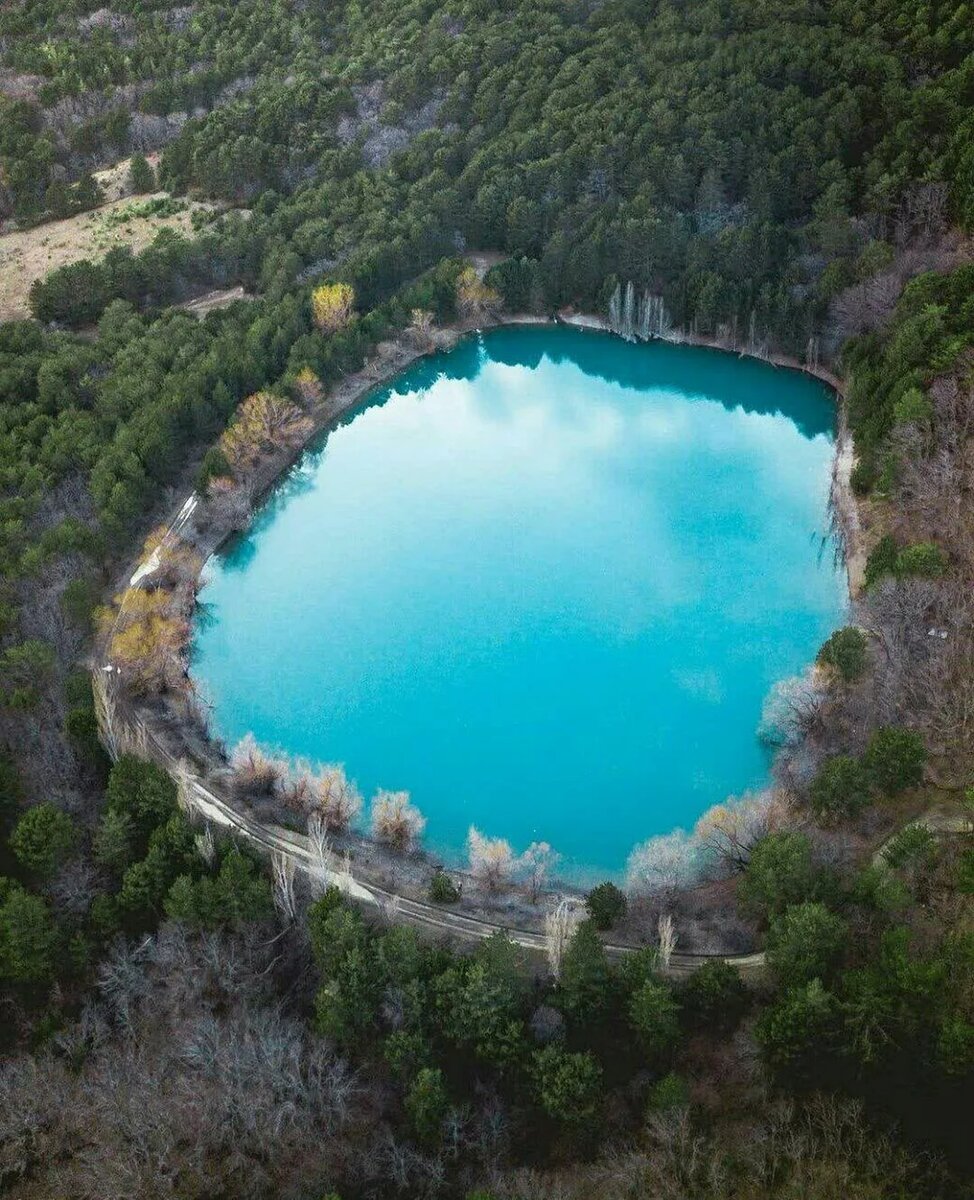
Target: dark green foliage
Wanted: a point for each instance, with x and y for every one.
(841, 788)
(142, 791)
(25, 669)
(42, 839)
(81, 725)
(28, 936)
(713, 997)
(213, 466)
(894, 759)
(568, 1085)
(913, 846)
(780, 873)
(606, 905)
(171, 853)
(805, 943)
(237, 894)
(799, 1025)
(443, 890)
(654, 1016)
(407, 1053)
(845, 650)
(882, 560)
(925, 559)
(669, 1094)
(78, 600)
(114, 840)
(584, 984)
(142, 178)
(427, 1104)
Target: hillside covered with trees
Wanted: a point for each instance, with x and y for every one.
(793, 178)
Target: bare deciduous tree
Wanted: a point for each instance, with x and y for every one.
(560, 925)
(665, 940)
(396, 821)
(535, 866)
(284, 899)
(663, 864)
(252, 770)
(491, 859)
(336, 798)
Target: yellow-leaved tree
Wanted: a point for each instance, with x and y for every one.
(332, 304)
(474, 298)
(264, 423)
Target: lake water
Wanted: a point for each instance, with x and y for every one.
(544, 582)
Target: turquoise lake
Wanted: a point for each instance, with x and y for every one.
(544, 582)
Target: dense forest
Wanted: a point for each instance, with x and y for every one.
(795, 178)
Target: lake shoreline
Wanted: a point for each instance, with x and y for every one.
(372, 863)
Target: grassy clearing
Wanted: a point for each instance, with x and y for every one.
(30, 254)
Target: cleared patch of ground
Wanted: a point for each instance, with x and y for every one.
(214, 300)
(29, 254)
(114, 180)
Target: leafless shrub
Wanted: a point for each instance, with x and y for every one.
(322, 859)
(491, 859)
(284, 899)
(296, 786)
(396, 821)
(728, 832)
(791, 709)
(420, 330)
(535, 865)
(663, 865)
(253, 771)
(922, 212)
(229, 504)
(335, 798)
(75, 886)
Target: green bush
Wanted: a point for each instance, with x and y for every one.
(427, 1104)
(840, 788)
(142, 178)
(863, 477)
(805, 943)
(894, 759)
(654, 1017)
(214, 465)
(669, 1093)
(780, 873)
(78, 602)
(568, 1086)
(443, 890)
(799, 1027)
(584, 983)
(28, 936)
(923, 559)
(882, 560)
(913, 846)
(606, 905)
(43, 838)
(114, 840)
(713, 997)
(846, 652)
(912, 408)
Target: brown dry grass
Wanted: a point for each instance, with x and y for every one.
(30, 254)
